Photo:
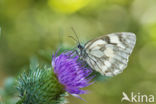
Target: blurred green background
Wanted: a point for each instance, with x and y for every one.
(37, 27)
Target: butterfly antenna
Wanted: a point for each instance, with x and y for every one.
(73, 38)
(75, 34)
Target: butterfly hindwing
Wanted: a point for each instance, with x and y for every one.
(109, 54)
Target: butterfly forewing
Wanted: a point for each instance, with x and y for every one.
(109, 54)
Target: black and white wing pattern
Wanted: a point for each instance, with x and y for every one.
(109, 54)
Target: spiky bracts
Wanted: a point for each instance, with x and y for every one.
(40, 86)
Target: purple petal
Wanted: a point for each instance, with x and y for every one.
(71, 73)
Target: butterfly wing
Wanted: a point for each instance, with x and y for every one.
(109, 54)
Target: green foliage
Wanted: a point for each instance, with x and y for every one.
(39, 85)
(10, 86)
(8, 94)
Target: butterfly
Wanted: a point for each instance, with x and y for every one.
(108, 54)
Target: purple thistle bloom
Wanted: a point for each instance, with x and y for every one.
(70, 73)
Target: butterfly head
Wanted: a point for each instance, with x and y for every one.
(82, 52)
(80, 47)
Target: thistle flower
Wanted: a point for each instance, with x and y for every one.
(41, 85)
(71, 73)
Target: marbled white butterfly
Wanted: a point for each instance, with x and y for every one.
(108, 54)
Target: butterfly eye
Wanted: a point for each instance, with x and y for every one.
(80, 47)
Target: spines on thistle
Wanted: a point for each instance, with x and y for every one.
(40, 86)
